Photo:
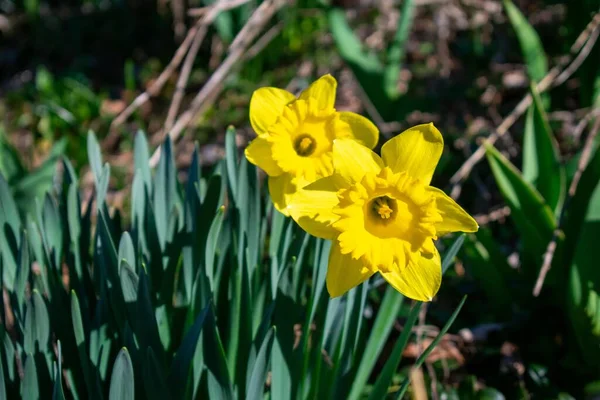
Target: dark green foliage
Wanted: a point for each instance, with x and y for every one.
(190, 303)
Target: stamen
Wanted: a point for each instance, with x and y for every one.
(305, 145)
(384, 207)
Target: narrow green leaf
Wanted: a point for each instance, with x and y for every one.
(145, 324)
(127, 250)
(165, 190)
(257, 373)
(129, 282)
(154, 381)
(249, 208)
(2, 378)
(384, 378)
(231, 157)
(142, 159)
(576, 211)
(541, 162)
(531, 45)
(531, 215)
(452, 252)
(396, 50)
(122, 386)
(212, 243)
(29, 385)
(180, 367)
(37, 325)
(24, 267)
(58, 393)
(432, 346)
(219, 380)
(94, 156)
(9, 233)
(52, 230)
(384, 322)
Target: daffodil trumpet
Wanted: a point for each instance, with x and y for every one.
(381, 213)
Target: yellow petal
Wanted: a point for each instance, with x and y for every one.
(259, 153)
(416, 150)
(353, 160)
(455, 218)
(266, 105)
(418, 280)
(344, 272)
(281, 189)
(363, 130)
(312, 207)
(322, 90)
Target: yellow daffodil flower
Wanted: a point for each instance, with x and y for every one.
(295, 136)
(382, 215)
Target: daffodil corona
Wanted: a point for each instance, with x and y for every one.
(382, 215)
(295, 136)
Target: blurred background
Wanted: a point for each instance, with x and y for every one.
(476, 68)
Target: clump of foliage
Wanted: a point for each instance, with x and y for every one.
(208, 293)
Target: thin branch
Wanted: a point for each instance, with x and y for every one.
(563, 70)
(492, 216)
(247, 34)
(551, 249)
(164, 76)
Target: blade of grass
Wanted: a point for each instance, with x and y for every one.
(430, 348)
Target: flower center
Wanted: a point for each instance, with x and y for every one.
(305, 145)
(384, 208)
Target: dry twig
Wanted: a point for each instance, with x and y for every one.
(247, 34)
(492, 216)
(563, 70)
(550, 250)
(164, 76)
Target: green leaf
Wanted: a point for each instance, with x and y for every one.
(2, 376)
(257, 373)
(142, 159)
(366, 66)
(212, 242)
(122, 385)
(84, 361)
(489, 267)
(37, 325)
(387, 373)
(432, 346)
(145, 324)
(219, 381)
(127, 251)
(583, 288)
(384, 322)
(231, 158)
(29, 385)
(532, 216)
(9, 233)
(395, 55)
(154, 381)
(531, 45)
(94, 156)
(129, 282)
(24, 267)
(577, 210)
(180, 367)
(249, 209)
(452, 252)
(541, 162)
(58, 393)
(489, 394)
(165, 190)
(52, 230)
